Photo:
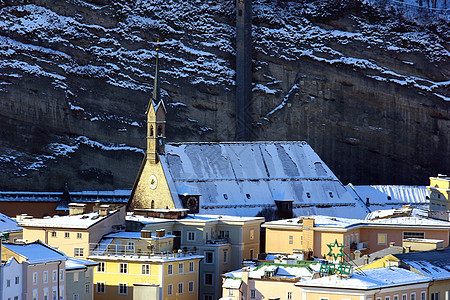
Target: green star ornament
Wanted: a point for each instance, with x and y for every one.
(335, 248)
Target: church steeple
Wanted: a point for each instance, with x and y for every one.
(156, 118)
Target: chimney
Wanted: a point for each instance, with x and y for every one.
(366, 259)
(103, 210)
(357, 254)
(146, 234)
(76, 209)
(308, 222)
(407, 249)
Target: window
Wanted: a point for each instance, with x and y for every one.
(54, 275)
(101, 267)
(169, 290)
(78, 252)
(252, 234)
(53, 233)
(76, 297)
(395, 297)
(191, 236)
(79, 235)
(230, 292)
(208, 279)
(180, 288)
(224, 234)
(404, 296)
(16, 297)
(61, 275)
(209, 257)
(252, 294)
(16, 280)
(251, 253)
(75, 277)
(61, 294)
(191, 287)
(412, 296)
(8, 283)
(225, 256)
(34, 277)
(289, 296)
(45, 294)
(378, 298)
(180, 268)
(191, 266)
(123, 289)
(123, 268)
(382, 237)
(87, 289)
(145, 269)
(130, 246)
(35, 294)
(387, 298)
(67, 235)
(45, 277)
(169, 269)
(208, 297)
(291, 239)
(54, 295)
(423, 295)
(415, 235)
(434, 296)
(100, 287)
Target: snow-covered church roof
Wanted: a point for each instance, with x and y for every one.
(242, 178)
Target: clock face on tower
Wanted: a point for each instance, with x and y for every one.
(153, 182)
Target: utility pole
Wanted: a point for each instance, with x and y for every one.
(243, 69)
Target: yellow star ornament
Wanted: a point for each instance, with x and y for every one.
(335, 250)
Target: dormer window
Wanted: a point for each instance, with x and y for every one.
(225, 196)
(248, 196)
(308, 195)
(331, 194)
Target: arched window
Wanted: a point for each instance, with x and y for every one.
(159, 130)
(151, 130)
(153, 204)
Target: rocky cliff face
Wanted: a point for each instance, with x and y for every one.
(366, 86)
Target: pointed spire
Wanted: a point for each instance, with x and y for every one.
(156, 90)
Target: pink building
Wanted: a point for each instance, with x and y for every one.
(43, 270)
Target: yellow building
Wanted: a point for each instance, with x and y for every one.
(313, 234)
(375, 284)
(267, 281)
(76, 233)
(224, 241)
(170, 275)
(439, 197)
(432, 264)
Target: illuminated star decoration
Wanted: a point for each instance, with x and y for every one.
(335, 250)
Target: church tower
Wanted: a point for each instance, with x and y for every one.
(151, 190)
(156, 120)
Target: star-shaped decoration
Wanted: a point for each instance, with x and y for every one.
(335, 250)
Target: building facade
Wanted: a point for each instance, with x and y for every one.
(76, 233)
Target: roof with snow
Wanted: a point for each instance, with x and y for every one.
(112, 196)
(242, 178)
(369, 279)
(303, 270)
(393, 195)
(82, 221)
(36, 252)
(78, 263)
(434, 264)
(8, 225)
(346, 223)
